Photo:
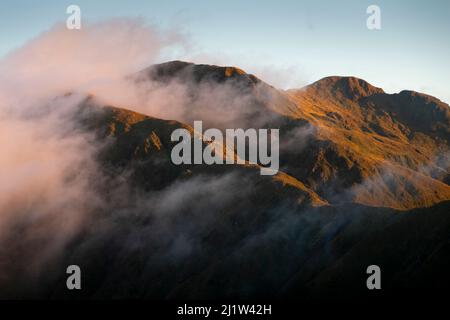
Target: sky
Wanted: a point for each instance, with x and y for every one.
(288, 43)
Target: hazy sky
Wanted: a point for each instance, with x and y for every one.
(288, 43)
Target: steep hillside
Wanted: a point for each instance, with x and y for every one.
(141, 146)
(372, 141)
(343, 138)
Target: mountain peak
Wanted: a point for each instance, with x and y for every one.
(350, 87)
(197, 72)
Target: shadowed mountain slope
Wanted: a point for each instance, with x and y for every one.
(141, 146)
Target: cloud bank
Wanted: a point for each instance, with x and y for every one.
(47, 185)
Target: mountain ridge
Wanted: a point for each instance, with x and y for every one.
(364, 131)
(341, 138)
